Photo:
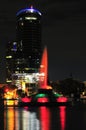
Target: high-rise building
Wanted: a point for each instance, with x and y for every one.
(28, 33)
(23, 56)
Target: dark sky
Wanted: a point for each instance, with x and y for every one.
(63, 31)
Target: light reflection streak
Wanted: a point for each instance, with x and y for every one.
(30, 121)
(9, 119)
(44, 118)
(25, 120)
(62, 116)
(20, 119)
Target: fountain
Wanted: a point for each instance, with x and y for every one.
(45, 94)
(43, 70)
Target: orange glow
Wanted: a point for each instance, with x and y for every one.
(49, 87)
(10, 123)
(10, 102)
(43, 70)
(10, 94)
(45, 118)
(62, 117)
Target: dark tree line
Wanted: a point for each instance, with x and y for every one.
(68, 86)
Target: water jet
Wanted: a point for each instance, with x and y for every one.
(45, 94)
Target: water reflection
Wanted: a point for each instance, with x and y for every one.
(29, 120)
(62, 117)
(10, 119)
(20, 119)
(43, 118)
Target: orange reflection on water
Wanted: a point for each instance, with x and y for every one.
(62, 116)
(10, 121)
(45, 118)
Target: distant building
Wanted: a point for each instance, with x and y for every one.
(23, 55)
(28, 33)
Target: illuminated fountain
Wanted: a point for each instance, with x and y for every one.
(43, 71)
(45, 94)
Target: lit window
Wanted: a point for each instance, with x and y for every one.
(8, 57)
(30, 18)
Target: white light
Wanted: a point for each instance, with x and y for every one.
(32, 10)
(8, 57)
(30, 18)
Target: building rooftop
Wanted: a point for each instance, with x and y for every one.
(28, 10)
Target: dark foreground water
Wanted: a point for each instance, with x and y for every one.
(44, 118)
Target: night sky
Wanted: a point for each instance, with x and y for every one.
(63, 31)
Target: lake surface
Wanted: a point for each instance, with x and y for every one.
(44, 118)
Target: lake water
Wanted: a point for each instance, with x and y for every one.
(44, 118)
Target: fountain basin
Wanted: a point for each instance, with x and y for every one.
(45, 97)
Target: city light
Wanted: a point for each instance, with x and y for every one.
(8, 57)
(30, 18)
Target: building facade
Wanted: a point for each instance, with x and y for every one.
(23, 55)
(28, 33)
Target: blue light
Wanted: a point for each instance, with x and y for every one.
(14, 46)
(28, 10)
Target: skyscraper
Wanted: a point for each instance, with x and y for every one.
(23, 56)
(28, 33)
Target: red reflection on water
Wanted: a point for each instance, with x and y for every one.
(45, 118)
(62, 116)
(43, 70)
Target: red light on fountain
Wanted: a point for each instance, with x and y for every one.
(45, 94)
(62, 99)
(43, 100)
(43, 70)
(26, 99)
